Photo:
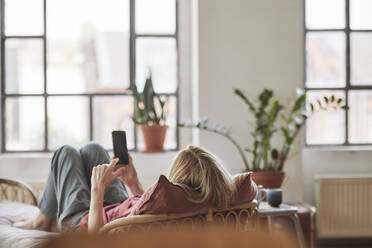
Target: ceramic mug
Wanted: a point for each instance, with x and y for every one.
(273, 196)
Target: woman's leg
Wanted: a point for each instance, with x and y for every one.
(71, 186)
(44, 219)
(66, 195)
(94, 154)
(48, 204)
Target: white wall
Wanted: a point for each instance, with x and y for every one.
(335, 162)
(250, 45)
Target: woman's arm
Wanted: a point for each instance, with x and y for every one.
(102, 175)
(136, 187)
(95, 219)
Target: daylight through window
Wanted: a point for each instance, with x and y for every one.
(67, 66)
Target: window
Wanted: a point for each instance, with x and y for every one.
(338, 60)
(67, 65)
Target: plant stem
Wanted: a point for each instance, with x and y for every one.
(235, 143)
(286, 149)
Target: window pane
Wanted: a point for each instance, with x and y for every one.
(89, 50)
(24, 66)
(155, 16)
(24, 125)
(325, 127)
(24, 17)
(160, 56)
(112, 113)
(171, 136)
(325, 59)
(361, 14)
(325, 14)
(360, 116)
(361, 58)
(68, 121)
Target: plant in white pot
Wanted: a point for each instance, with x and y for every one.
(271, 118)
(150, 115)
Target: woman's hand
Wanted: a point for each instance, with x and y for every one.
(103, 175)
(128, 175)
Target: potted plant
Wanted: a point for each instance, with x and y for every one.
(271, 118)
(149, 114)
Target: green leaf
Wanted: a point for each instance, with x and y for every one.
(326, 99)
(339, 100)
(312, 107)
(319, 103)
(288, 138)
(264, 98)
(275, 108)
(332, 98)
(148, 93)
(284, 118)
(274, 154)
(245, 99)
(285, 132)
(298, 103)
(345, 107)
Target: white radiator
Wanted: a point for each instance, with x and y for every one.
(344, 206)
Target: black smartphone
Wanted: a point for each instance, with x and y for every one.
(119, 140)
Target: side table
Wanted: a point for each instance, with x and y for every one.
(265, 210)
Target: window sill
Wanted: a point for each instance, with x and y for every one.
(346, 148)
(27, 155)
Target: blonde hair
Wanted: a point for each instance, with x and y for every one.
(202, 177)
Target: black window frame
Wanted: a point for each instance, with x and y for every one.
(132, 74)
(348, 86)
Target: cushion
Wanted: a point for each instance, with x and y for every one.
(246, 188)
(165, 197)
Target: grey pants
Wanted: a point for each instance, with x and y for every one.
(67, 191)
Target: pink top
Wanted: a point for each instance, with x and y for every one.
(113, 211)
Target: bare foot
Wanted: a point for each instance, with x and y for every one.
(41, 222)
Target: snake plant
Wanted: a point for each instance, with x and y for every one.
(149, 107)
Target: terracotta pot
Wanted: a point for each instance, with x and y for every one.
(154, 136)
(269, 179)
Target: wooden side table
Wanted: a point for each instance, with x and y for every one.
(269, 212)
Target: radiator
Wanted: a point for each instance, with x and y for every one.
(344, 206)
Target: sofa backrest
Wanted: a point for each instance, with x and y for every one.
(241, 217)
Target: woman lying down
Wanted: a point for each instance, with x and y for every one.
(82, 182)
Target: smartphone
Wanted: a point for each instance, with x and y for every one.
(119, 140)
